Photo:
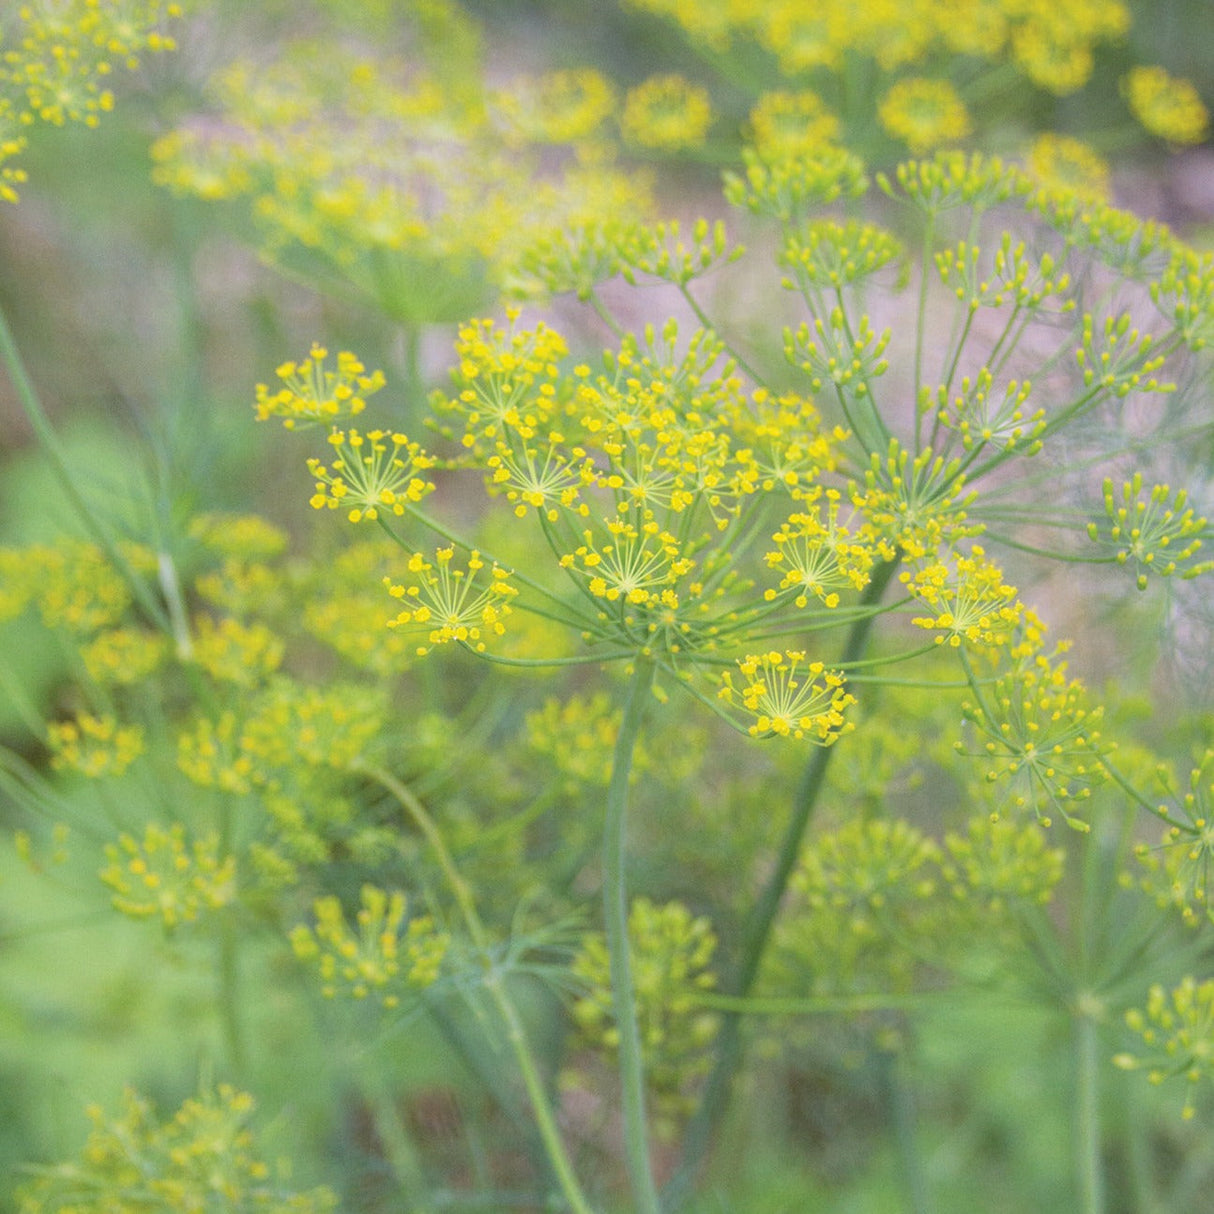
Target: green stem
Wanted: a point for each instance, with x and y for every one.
(229, 993)
(758, 929)
(902, 1117)
(49, 442)
(541, 1107)
(1088, 1172)
(615, 913)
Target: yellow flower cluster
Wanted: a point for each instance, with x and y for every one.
(373, 958)
(1178, 1025)
(396, 178)
(1156, 532)
(123, 656)
(1041, 737)
(1178, 871)
(203, 1157)
(924, 114)
(370, 474)
(1167, 107)
(314, 393)
(789, 697)
(666, 113)
(447, 604)
(97, 747)
(232, 652)
(165, 876)
(58, 59)
(971, 601)
(672, 951)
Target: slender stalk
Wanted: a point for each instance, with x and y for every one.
(758, 929)
(901, 1103)
(49, 442)
(541, 1107)
(615, 913)
(1088, 1174)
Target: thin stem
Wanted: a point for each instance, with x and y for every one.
(1088, 1174)
(900, 1100)
(758, 929)
(49, 443)
(615, 914)
(515, 1033)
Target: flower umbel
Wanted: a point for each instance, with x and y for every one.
(313, 393)
(448, 605)
(377, 958)
(1179, 1024)
(370, 473)
(789, 697)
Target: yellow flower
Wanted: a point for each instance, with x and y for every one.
(924, 114)
(377, 957)
(1168, 107)
(1059, 162)
(447, 604)
(94, 746)
(789, 697)
(165, 875)
(313, 393)
(787, 125)
(370, 473)
(666, 113)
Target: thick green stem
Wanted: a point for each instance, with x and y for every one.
(1088, 1173)
(758, 929)
(615, 914)
(541, 1106)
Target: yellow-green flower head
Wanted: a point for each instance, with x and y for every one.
(248, 536)
(568, 106)
(666, 113)
(672, 952)
(75, 587)
(1000, 863)
(370, 474)
(816, 555)
(1179, 871)
(1041, 738)
(313, 393)
(97, 747)
(202, 1157)
(1184, 293)
(452, 605)
(635, 564)
(1177, 1027)
(981, 416)
(789, 126)
(165, 876)
(803, 37)
(924, 114)
(828, 254)
(1167, 106)
(123, 656)
(917, 506)
(374, 956)
(577, 736)
(1156, 532)
(1059, 162)
(232, 652)
(788, 190)
(971, 602)
(789, 697)
(59, 61)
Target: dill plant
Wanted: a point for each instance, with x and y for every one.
(470, 755)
